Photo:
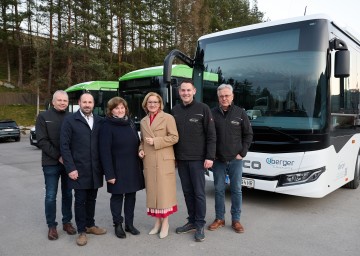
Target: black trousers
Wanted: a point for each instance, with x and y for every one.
(85, 201)
(192, 176)
(116, 203)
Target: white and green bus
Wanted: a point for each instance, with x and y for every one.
(136, 84)
(299, 81)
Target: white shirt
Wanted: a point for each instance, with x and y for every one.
(89, 119)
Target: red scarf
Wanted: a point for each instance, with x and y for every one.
(152, 117)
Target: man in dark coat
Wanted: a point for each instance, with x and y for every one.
(79, 149)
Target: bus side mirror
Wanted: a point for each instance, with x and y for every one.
(342, 63)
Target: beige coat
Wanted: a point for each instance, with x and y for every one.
(159, 160)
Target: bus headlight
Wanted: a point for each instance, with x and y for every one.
(300, 177)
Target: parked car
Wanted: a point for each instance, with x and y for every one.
(253, 113)
(9, 130)
(33, 140)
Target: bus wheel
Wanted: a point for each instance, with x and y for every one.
(355, 183)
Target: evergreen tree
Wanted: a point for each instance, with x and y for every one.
(82, 40)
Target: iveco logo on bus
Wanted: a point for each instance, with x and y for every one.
(252, 164)
(279, 163)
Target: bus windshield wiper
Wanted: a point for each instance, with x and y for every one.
(294, 139)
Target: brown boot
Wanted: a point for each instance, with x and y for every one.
(216, 224)
(69, 228)
(237, 227)
(82, 239)
(53, 234)
(96, 230)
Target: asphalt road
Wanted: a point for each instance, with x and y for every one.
(274, 224)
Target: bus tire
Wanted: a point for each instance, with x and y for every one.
(355, 182)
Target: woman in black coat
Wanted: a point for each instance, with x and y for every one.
(118, 144)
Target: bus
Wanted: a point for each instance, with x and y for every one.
(102, 91)
(136, 84)
(301, 77)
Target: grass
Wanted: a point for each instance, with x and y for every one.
(24, 115)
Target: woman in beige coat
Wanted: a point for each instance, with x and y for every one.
(158, 135)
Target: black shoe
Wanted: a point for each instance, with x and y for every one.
(188, 227)
(119, 232)
(132, 230)
(199, 235)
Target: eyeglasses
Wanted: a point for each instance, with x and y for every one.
(224, 96)
(152, 102)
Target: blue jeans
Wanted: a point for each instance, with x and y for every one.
(234, 169)
(52, 173)
(192, 176)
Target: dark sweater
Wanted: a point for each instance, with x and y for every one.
(197, 136)
(48, 126)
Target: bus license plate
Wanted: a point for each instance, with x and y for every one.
(248, 183)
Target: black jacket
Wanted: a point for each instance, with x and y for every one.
(233, 132)
(48, 126)
(197, 136)
(80, 151)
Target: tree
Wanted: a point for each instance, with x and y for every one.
(18, 19)
(4, 34)
(226, 14)
(82, 40)
(192, 22)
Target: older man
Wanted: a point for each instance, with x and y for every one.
(234, 135)
(48, 126)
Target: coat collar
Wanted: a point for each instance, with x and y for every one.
(79, 117)
(157, 121)
(229, 109)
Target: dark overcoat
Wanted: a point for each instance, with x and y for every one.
(80, 151)
(119, 143)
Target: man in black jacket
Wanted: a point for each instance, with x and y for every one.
(194, 152)
(79, 148)
(233, 138)
(48, 126)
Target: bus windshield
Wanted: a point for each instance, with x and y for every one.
(278, 75)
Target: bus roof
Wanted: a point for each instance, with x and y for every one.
(279, 22)
(94, 86)
(177, 71)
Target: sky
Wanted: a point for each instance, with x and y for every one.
(344, 12)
